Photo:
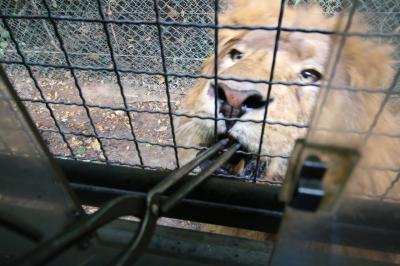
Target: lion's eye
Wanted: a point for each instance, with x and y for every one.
(235, 55)
(310, 75)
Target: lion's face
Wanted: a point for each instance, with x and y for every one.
(298, 60)
(301, 58)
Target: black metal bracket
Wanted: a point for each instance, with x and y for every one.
(309, 191)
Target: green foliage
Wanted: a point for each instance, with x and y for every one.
(80, 151)
(5, 36)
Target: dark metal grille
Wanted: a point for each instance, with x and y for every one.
(156, 61)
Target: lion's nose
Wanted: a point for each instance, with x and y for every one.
(235, 102)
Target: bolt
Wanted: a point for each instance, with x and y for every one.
(154, 209)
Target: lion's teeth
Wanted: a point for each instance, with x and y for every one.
(238, 169)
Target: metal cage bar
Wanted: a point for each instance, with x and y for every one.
(216, 5)
(381, 108)
(285, 156)
(209, 26)
(271, 77)
(197, 76)
(119, 82)
(337, 57)
(137, 110)
(164, 74)
(72, 71)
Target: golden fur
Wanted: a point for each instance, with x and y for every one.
(364, 63)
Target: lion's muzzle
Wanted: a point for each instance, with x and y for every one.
(237, 100)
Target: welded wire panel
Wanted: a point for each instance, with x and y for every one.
(104, 80)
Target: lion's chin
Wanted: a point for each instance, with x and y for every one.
(241, 165)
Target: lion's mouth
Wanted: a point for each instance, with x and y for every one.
(241, 165)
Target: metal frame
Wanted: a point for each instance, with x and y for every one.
(150, 194)
(159, 201)
(218, 200)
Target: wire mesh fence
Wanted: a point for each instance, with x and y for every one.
(103, 79)
(136, 46)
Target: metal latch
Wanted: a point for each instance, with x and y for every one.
(316, 175)
(309, 190)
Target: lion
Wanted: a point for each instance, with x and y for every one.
(307, 58)
(302, 57)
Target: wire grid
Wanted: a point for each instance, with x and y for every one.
(169, 39)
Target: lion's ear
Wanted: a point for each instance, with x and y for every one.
(240, 13)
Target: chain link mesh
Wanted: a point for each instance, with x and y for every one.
(136, 46)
